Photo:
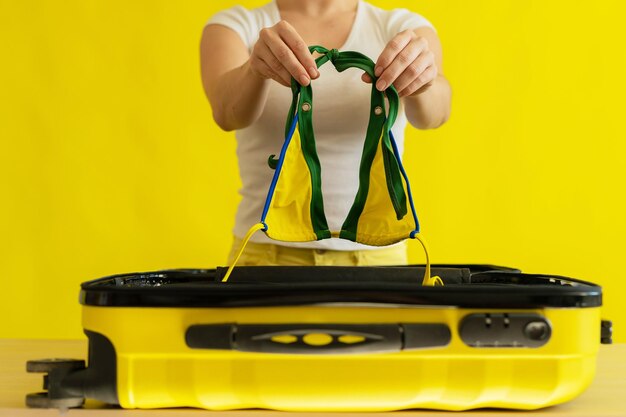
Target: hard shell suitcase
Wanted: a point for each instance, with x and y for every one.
(332, 339)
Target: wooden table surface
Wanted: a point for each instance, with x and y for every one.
(605, 397)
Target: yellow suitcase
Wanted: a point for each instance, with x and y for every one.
(332, 339)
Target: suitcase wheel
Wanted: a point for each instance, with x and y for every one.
(57, 394)
(42, 400)
(49, 365)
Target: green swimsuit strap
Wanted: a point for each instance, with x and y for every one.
(379, 126)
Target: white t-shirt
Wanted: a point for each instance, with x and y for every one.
(342, 105)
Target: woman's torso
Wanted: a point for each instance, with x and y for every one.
(342, 105)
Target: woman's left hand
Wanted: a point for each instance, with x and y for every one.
(406, 62)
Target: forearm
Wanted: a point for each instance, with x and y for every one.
(430, 108)
(238, 98)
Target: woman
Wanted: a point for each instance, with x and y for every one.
(248, 59)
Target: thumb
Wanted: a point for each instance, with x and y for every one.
(366, 78)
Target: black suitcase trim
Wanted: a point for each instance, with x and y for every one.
(292, 286)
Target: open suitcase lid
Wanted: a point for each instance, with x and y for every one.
(466, 286)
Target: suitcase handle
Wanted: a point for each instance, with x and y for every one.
(308, 338)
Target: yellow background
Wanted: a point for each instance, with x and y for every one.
(110, 161)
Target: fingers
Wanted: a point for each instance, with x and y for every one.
(287, 59)
(407, 63)
(414, 70)
(281, 75)
(280, 53)
(298, 47)
(267, 64)
(284, 57)
(424, 80)
(391, 51)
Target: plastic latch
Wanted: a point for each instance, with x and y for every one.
(606, 333)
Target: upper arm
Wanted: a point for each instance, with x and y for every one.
(221, 50)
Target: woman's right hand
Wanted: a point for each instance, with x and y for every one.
(280, 53)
